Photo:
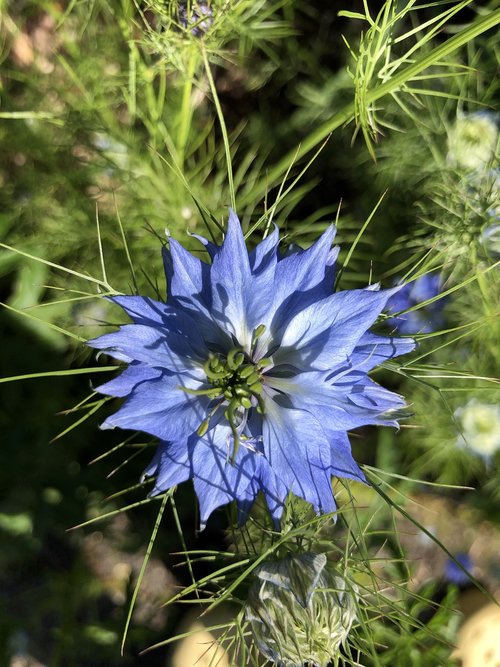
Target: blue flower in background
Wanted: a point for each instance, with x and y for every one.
(454, 574)
(196, 16)
(253, 372)
(425, 319)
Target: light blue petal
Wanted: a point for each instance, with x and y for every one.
(159, 407)
(298, 451)
(230, 283)
(171, 466)
(353, 401)
(216, 480)
(323, 335)
(156, 347)
(124, 383)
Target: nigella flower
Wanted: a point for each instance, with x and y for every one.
(197, 16)
(425, 319)
(454, 574)
(252, 373)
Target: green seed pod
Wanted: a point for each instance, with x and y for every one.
(299, 611)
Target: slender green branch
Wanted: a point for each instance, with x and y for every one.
(347, 114)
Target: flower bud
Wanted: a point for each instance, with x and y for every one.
(480, 427)
(299, 611)
(472, 141)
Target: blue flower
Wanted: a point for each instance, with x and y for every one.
(454, 574)
(196, 16)
(253, 372)
(425, 319)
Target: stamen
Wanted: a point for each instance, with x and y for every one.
(237, 382)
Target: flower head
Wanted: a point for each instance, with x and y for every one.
(299, 612)
(253, 372)
(425, 319)
(480, 427)
(196, 16)
(472, 142)
(453, 573)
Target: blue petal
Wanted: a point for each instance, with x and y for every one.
(159, 407)
(216, 480)
(343, 465)
(304, 269)
(298, 451)
(373, 350)
(230, 282)
(187, 277)
(188, 287)
(211, 248)
(171, 466)
(143, 310)
(324, 334)
(353, 401)
(137, 342)
(124, 383)
(265, 254)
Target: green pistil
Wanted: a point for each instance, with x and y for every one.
(237, 381)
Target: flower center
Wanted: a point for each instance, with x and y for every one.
(234, 377)
(236, 383)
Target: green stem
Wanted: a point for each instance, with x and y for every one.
(186, 112)
(346, 114)
(223, 128)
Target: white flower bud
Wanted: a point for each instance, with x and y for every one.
(480, 427)
(299, 611)
(473, 140)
